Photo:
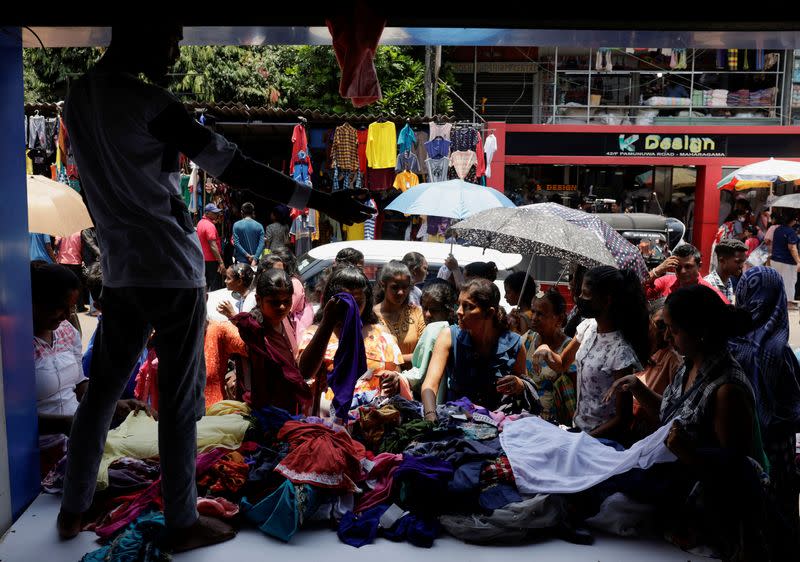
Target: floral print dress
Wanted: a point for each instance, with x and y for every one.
(598, 358)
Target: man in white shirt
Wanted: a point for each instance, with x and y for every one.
(127, 135)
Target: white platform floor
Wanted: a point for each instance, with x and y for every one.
(33, 538)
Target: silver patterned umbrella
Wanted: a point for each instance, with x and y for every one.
(524, 231)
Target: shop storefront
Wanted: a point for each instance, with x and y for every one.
(622, 166)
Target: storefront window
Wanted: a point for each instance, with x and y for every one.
(666, 86)
(606, 189)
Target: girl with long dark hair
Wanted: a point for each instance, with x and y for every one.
(402, 318)
(302, 313)
(480, 358)
(319, 344)
(611, 343)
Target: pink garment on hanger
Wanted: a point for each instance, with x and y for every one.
(355, 39)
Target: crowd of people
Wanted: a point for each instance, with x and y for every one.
(671, 350)
(400, 406)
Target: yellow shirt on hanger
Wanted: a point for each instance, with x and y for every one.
(404, 180)
(382, 145)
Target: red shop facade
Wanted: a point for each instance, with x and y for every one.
(712, 152)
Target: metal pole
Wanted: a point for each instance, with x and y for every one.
(555, 85)
(475, 79)
(589, 93)
(437, 64)
(525, 282)
(691, 90)
(428, 81)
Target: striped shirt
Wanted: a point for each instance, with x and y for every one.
(694, 406)
(369, 225)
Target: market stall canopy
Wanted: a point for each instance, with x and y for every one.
(455, 199)
(55, 208)
(524, 231)
(762, 175)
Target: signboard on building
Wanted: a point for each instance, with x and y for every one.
(644, 144)
(495, 67)
(556, 187)
(671, 146)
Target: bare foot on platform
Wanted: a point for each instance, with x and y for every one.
(69, 524)
(205, 532)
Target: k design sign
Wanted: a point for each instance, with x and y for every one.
(670, 146)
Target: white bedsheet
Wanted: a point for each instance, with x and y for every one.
(546, 459)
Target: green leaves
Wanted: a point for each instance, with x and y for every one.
(47, 72)
(294, 77)
(236, 74)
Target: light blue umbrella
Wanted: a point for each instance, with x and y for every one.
(455, 199)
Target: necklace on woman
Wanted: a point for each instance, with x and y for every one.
(399, 327)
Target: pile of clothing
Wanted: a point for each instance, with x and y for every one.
(477, 474)
(755, 98)
(715, 98)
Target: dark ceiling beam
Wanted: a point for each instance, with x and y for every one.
(523, 18)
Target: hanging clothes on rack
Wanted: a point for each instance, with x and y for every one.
(406, 180)
(37, 137)
(344, 151)
(481, 171)
(439, 147)
(303, 225)
(437, 169)
(603, 60)
(463, 165)
(406, 139)
(381, 145)
(407, 162)
(38, 156)
(380, 180)
(721, 54)
(381, 155)
(301, 167)
(465, 138)
(300, 145)
(420, 152)
(733, 59)
(759, 59)
(442, 130)
(363, 136)
(51, 134)
(346, 179)
(489, 148)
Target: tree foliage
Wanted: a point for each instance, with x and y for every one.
(246, 75)
(294, 77)
(312, 81)
(47, 72)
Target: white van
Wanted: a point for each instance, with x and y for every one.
(379, 252)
